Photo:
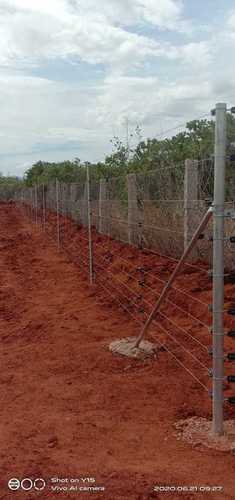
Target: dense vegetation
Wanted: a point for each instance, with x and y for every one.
(8, 186)
(196, 142)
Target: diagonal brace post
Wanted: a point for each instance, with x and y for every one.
(175, 273)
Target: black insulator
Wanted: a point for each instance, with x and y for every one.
(232, 109)
(231, 400)
(231, 378)
(231, 334)
(231, 311)
(201, 236)
(231, 356)
(232, 158)
(232, 239)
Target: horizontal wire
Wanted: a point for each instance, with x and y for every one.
(162, 314)
(133, 303)
(181, 346)
(167, 333)
(157, 253)
(158, 294)
(201, 269)
(162, 255)
(121, 304)
(162, 281)
(149, 273)
(180, 363)
(117, 279)
(161, 344)
(183, 330)
(137, 224)
(139, 201)
(178, 307)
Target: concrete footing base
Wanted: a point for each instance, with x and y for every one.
(125, 347)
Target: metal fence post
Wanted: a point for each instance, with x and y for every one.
(89, 225)
(58, 214)
(190, 202)
(218, 268)
(103, 206)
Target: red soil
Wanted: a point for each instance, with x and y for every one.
(69, 408)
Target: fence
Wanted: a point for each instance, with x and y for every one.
(158, 213)
(157, 210)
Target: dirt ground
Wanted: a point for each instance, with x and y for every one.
(69, 408)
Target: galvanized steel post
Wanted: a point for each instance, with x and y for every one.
(218, 268)
(89, 226)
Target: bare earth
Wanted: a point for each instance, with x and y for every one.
(69, 407)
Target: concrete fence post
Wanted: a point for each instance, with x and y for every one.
(89, 225)
(132, 209)
(190, 202)
(58, 212)
(36, 202)
(72, 200)
(103, 207)
(43, 208)
(84, 203)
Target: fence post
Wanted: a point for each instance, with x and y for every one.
(36, 203)
(190, 202)
(85, 202)
(132, 209)
(43, 208)
(58, 214)
(103, 207)
(89, 225)
(218, 268)
(31, 203)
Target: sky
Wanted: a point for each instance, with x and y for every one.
(72, 72)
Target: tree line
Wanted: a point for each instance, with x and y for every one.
(195, 142)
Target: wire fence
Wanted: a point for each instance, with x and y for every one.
(135, 228)
(157, 210)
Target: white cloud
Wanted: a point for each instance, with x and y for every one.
(91, 30)
(157, 79)
(162, 13)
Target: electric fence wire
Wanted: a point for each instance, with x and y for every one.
(166, 317)
(157, 294)
(161, 344)
(163, 282)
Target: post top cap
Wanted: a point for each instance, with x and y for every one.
(221, 105)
